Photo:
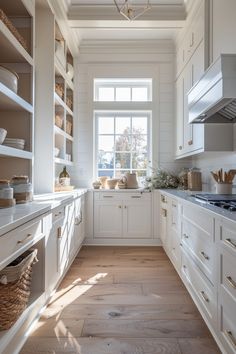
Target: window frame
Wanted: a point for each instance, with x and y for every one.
(121, 113)
(123, 83)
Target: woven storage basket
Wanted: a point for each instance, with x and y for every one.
(69, 127)
(59, 90)
(58, 121)
(15, 281)
(12, 28)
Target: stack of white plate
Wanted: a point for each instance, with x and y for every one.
(15, 143)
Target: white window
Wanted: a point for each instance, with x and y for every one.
(122, 143)
(123, 90)
(122, 135)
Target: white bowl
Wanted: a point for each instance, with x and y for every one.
(56, 152)
(9, 78)
(3, 134)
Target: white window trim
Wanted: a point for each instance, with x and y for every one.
(121, 113)
(127, 83)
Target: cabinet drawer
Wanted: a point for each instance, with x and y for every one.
(201, 218)
(226, 322)
(58, 214)
(12, 243)
(201, 248)
(121, 196)
(228, 236)
(202, 289)
(227, 272)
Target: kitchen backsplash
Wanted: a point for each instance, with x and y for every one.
(214, 161)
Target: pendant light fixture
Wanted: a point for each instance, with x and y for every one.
(129, 10)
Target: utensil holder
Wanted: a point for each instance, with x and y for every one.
(224, 188)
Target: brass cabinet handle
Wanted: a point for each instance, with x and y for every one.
(20, 242)
(231, 281)
(184, 266)
(229, 242)
(59, 233)
(125, 207)
(58, 214)
(230, 336)
(186, 236)
(163, 199)
(180, 147)
(108, 196)
(119, 206)
(136, 196)
(203, 254)
(164, 212)
(203, 295)
(190, 142)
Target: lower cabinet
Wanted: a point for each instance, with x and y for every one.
(122, 215)
(202, 248)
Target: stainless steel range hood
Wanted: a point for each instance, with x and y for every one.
(213, 98)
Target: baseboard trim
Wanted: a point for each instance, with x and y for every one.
(121, 242)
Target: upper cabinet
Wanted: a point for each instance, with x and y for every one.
(17, 86)
(192, 59)
(222, 28)
(54, 97)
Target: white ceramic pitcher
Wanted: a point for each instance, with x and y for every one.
(131, 180)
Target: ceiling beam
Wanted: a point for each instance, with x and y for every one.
(79, 13)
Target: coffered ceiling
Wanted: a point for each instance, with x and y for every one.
(100, 20)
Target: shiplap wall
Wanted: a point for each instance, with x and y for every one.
(154, 60)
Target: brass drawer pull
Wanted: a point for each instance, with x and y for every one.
(28, 236)
(203, 254)
(186, 236)
(184, 266)
(58, 214)
(231, 338)
(136, 196)
(163, 199)
(108, 196)
(230, 242)
(164, 212)
(231, 282)
(203, 295)
(119, 206)
(180, 147)
(59, 233)
(190, 142)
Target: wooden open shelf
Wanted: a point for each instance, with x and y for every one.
(12, 152)
(10, 101)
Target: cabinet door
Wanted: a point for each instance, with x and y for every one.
(108, 219)
(79, 231)
(187, 77)
(179, 115)
(197, 68)
(137, 218)
(51, 261)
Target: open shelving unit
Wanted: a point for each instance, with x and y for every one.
(55, 99)
(17, 108)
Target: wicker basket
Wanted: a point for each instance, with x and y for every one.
(59, 90)
(15, 281)
(69, 127)
(69, 102)
(58, 121)
(12, 28)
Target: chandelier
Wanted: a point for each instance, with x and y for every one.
(130, 11)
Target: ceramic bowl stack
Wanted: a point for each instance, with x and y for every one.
(23, 192)
(15, 143)
(3, 134)
(6, 195)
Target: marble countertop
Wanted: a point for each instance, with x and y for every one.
(189, 196)
(10, 218)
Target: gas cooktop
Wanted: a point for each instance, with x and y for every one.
(224, 201)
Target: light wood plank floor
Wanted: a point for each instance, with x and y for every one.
(121, 300)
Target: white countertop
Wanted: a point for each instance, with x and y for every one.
(189, 196)
(117, 190)
(10, 218)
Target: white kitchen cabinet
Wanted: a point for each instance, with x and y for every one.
(222, 28)
(122, 215)
(197, 138)
(137, 217)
